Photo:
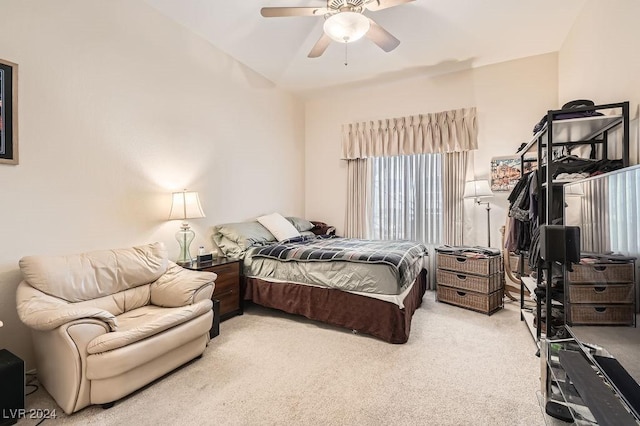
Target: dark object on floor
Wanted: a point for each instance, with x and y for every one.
(558, 411)
(11, 388)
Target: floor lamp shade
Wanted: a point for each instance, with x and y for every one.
(478, 189)
(185, 205)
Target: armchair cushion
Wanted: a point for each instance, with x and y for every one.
(144, 322)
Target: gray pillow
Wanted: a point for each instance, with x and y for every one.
(235, 238)
(300, 224)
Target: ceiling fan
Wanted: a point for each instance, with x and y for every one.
(344, 22)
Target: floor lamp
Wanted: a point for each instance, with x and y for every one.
(479, 189)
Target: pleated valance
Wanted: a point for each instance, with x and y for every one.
(447, 131)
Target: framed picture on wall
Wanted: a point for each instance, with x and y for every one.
(8, 112)
(505, 171)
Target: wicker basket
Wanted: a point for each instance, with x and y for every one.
(608, 293)
(471, 265)
(485, 303)
(601, 314)
(602, 273)
(480, 284)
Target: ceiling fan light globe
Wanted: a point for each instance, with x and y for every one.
(346, 27)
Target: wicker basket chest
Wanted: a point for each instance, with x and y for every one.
(471, 281)
(601, 294)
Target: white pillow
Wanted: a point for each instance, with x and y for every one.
(280, 227)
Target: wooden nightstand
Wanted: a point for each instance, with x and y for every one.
(226, 294)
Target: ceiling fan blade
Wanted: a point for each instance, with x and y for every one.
(381, 37)
(375, 5)
(320, 46)
(274, 12)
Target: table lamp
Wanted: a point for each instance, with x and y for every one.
(185, 205)
(479, 189)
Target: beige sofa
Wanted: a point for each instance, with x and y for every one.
(106, 323)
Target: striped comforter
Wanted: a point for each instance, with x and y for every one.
(401, 255)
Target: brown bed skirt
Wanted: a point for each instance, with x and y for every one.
(384, 320)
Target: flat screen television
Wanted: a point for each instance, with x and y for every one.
(606, 208)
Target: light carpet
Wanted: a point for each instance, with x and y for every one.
(270, 368)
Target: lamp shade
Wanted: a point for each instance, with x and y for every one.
(345, 27)
(477, 189)
(186, 205)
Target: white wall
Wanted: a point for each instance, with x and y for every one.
(600, 59)
(119, 106)
(510, 98)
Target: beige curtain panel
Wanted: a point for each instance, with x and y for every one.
(358, 199)
(454, 175)
(440, 132)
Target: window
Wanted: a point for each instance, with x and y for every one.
(406, 194)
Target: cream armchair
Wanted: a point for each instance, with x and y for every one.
(106, 323)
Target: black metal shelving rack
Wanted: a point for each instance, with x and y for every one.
(566, 134)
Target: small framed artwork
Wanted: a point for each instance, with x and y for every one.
(8, 112)
(505, 171)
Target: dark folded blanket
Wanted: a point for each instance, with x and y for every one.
(456, 250)
(399, 254)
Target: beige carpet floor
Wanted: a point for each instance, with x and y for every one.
(270, 368)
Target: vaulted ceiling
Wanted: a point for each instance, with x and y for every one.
(437, 36)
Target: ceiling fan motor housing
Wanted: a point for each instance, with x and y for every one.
(350, 5)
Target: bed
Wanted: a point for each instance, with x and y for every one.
(370, 287)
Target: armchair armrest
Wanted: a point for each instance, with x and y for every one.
(42, 312)
(61, 357)
(181, 287)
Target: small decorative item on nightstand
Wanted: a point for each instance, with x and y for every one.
(203, 259)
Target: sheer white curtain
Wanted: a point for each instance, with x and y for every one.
(407, 198)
